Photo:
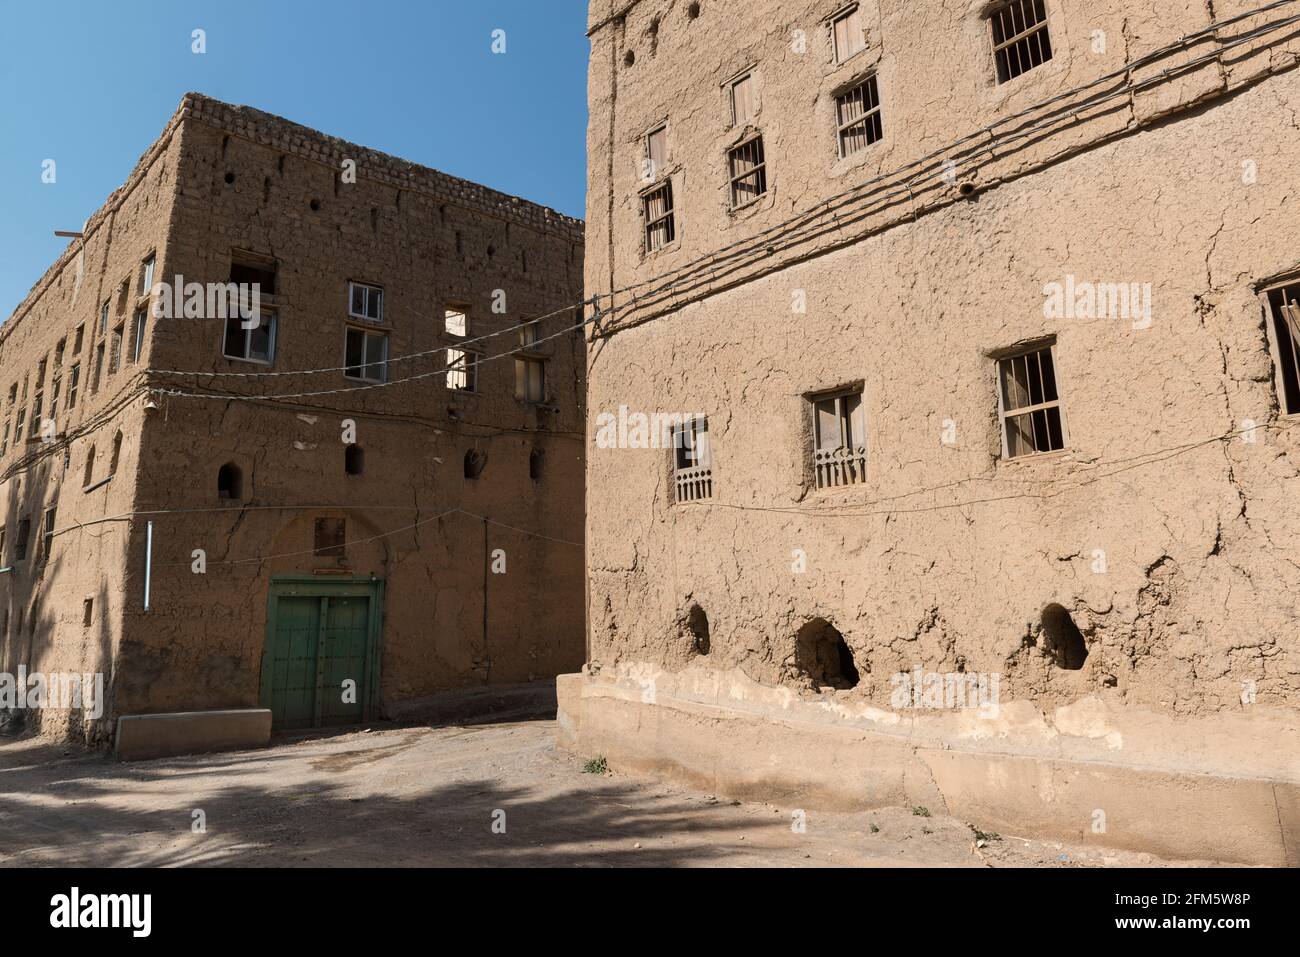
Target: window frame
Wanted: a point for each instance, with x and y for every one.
(273, 342)
(382, 362)
(758, 169)
(1271, 319)
(465, 365)
(750, 74)
(370, 289)
(993, 16)
(695, 476)
(529, 362)
(1049, 346)
(656, 168)
(668, 217)
(846, 13)
(869, 83)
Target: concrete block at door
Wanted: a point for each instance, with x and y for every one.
(141, 737)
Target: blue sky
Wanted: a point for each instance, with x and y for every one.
(90, 84)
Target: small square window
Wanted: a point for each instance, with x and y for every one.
(748, 172)
(848, 34)
(365, 302)
(1029, 404)
(660, 226)
(857, 117)
(251, 345)
(1020, 38)
(744, 99)
(455, 322)
(366, 355)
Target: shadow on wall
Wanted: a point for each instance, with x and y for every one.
(823, 657)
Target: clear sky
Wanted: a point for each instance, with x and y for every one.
(90, 84)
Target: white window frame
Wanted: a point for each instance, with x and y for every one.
(146, 276)
(248, 336)
(373, 294)
(366, 360)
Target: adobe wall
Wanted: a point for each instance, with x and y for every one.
(249, 181)
(948, 556)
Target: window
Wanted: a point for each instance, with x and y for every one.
(115, 351)
(744, 99)
(656, 152)
(87, 612)
(848, 34)
(331, 534)
(857, 117)
(530, 379)
(455, 322)
(1030, 406)
(365, 302)
(74, 379)
(230, 483)
(20, 544)
(116, 455)
(839, 440)
(58, 353)
(1286, 333)
(103, 317)
(77, 338)
(354, 459)
(462, 371)
(250, 345)
(47, 540)
(99, 368)
(18, 426)
(692, 462)
(366, 355)
(250, 269)
(1020, 40)
(748, 172)
(146, 276)
(657, 207)
(528, 335)
(137, 349)
(56, 383)
(89, 475)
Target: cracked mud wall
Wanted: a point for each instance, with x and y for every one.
(948, 556)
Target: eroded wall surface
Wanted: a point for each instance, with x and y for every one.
(1154, 148)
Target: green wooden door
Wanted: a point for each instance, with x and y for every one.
(320, 664)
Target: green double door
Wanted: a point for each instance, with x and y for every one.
(320, 666)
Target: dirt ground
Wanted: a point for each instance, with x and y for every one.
(429, 796)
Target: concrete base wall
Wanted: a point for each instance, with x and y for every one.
(1224, 789)
(144, 736)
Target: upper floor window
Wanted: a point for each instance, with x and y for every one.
(528, 335)
(656, 153)
(251, 269)
(365, 302)
(366, 355)
(657, 210)
(455, 322)
(744, 99)
(1030, 403)
(692, 460)
(146, 276)
(1286, 334)
(1020, 38)
(857, 117)
(530, 379)
(462, 371)
(115, 353)
(251, 345)
(839, 440)
(103, 316)
(748, 172)
(848, 35)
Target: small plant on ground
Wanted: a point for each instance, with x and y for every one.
(874, 829)
(596, 766)
(984, 835)
(920, 811)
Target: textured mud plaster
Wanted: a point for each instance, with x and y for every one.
(1153, 562)
(226, 182)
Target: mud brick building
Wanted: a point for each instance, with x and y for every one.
(406, 517)
(981, 309)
